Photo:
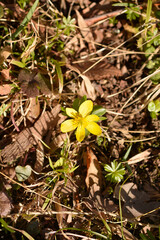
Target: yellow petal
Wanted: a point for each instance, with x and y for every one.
(92, 118)
(80, 133)
(86, 108)
(71, 112)
(94, 128)
(68, 125)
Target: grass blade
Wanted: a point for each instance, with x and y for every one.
(25, 20)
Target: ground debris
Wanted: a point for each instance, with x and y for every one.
(30, 136)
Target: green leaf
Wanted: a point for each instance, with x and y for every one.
(76, 104)
(5, 225)
(60, 75)
(115, 171)
(1, 12)
(157, 105)
(149, 9)
(25, 20)
(59, 162)
(18, 63)
(23, 173)
(151, 107)
(51, 163)
(120, 4)
(99, 111)
(153, 115)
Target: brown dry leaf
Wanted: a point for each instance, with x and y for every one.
(139, 157)
(31, 82)
(5, 89)
(87, 89)
(30, 136)
(5, 204)
(59, 215)
(117, 230)
(136, 202)
(94, 177)
(86, 86)
(100, 71)
(57, 142)
(5, 74)
(34, 110)
(86, 32)
(4, 54)
(29, 85)
(39, 157)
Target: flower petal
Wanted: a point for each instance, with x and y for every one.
(68, 125)
(71, 112)
(80, 133)
(94, 128)
(92, 118)
(86, 108)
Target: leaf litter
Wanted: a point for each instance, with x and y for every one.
(105, 68)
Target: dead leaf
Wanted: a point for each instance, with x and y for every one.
(34, 110)
(100, 71)
(94, 177)
(30, 136)
(117, 230)
(5, 89)
(139, 157)
(39, 157)
(87, 89)
(29, 85)
(4, 54)
(5, 204)
(31, 82)
(59, 215)
(86, 32)
(136, 202)
(86, 86)
(6, 74)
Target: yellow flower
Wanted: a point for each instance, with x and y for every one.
(81, 120)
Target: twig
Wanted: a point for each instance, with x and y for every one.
(12, 118)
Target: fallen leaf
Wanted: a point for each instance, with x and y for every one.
(34, 110)
(29, 86)
(94, 177)
(139, 157)
(5, 204)
(39, 157)
(23, 173)
(5, 89)
(117, 230)
(6, 73)
(87, 89)
(30, 136)
(4, 54)
(100, 71)
(136, 202)
(59, 215)
(85, 31)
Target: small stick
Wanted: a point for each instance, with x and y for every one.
(12, 118)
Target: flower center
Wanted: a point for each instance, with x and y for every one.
(79, 119)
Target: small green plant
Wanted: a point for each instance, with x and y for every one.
(115, 172)
(62, 167)
(23, 3)
(131, 10)
(154, 108)
(148, 236)
(68, 25)
(4, 108)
